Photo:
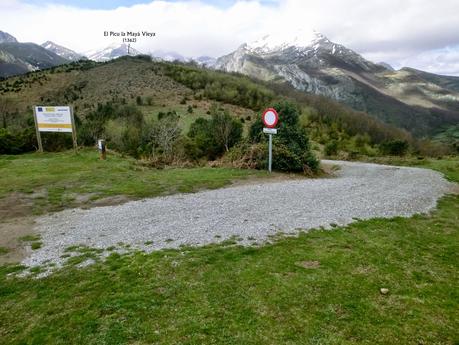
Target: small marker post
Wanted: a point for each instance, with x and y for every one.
(102, 149)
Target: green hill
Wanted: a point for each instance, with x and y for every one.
(190, 92)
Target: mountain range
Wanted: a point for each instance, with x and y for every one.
(18, 58)
(408, 98)
(113, 51)
(420, 102)
(63, 52)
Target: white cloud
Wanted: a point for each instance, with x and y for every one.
(401, 32)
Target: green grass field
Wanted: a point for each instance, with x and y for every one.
(322, 287)
(449, 166)
(53, 181)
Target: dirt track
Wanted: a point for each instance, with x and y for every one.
(248, 212)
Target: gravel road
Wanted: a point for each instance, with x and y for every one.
(250, 212)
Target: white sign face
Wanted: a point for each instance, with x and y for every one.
(270, 118)
(54, 119)
(270, 130)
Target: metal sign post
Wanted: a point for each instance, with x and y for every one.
(270, 160)
(270, 132)
(270, 119)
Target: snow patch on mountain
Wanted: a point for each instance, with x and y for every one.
(113, 51)
(62, 51)
(278, 42)
(169, 56)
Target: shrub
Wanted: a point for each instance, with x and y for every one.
(202, 142)
(291, 149)
(123, 136)
(226, 130)
(162, 135)
(331, 148)
(212, 137)
(17, 142)
(94, 127)
(247, 156)
(395, 147)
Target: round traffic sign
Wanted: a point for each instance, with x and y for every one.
(270, 117)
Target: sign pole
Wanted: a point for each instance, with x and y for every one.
(37, 131)
(74, 135)
(270, 119)
(270, 152)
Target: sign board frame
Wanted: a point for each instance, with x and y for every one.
(60, 127)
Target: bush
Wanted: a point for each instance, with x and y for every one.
(331, 148)
(211, 138)
(291, 149)
(19, 142)
(162, 135)
(121, 125)
(247, 156)
(395, 147)
(94, 126)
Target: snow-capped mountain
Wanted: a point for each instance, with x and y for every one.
(386, 65)
(311, 50)
(205, 61)
(18, 58)
(310, 62)
(113, 51)
(62, 51)
(169, 56)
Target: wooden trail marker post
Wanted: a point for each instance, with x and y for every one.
(54, 119)
(270, 119)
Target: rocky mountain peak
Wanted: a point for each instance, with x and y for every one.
(7, 38)
(61, 51)
(279, 41)
(113, 51)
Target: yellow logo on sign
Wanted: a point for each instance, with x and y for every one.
(51, 109)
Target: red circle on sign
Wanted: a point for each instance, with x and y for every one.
(270, 118)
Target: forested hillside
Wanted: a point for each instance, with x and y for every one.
(167, 112)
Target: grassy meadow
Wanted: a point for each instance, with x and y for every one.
(53, 181)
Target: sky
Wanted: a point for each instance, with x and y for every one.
(422, 34)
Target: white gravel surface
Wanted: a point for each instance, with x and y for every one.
(251, 212)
